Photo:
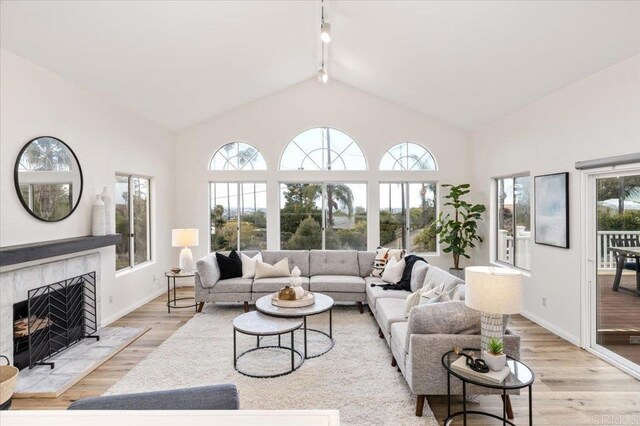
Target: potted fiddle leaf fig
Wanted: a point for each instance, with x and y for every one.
(458, 231)
(494, 355)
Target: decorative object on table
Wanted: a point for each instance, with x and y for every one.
(462, 366)
(494, 292)
(552, 209)
(185, 238)
(307, 300)
(494, 355)
(296, 283)
(49, 197)
(8, 377)
(176, 270)
(109, 211)
(460, 231)
(476, 364)
(98, 226)
(287, 293)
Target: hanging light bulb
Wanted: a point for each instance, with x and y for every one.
(325, 32)
(323, 77)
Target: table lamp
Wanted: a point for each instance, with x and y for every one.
(185, 238)
(494, 292)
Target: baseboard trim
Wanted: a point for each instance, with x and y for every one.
(106, 321)
(552, 328)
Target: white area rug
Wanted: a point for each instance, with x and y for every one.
(355, 377)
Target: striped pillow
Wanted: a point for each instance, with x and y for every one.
(382, 257)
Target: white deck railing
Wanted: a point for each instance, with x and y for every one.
(606, 259)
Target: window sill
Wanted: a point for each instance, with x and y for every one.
(511, 267)
(132, 269)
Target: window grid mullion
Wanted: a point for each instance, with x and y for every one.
(131, 224)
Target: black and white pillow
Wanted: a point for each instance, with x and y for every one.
(230, 266)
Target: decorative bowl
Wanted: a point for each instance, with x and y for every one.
(176, 270)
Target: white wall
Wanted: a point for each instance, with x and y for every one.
(270, 123)
(106, 140)
(593, 118)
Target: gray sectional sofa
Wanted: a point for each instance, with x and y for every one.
(416, 341)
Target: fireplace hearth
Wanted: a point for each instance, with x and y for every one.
(53, 318)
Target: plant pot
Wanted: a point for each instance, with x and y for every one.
(457, 272)
(495, 362)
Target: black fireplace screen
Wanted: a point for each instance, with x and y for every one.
(59, 315)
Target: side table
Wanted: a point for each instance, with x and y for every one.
(521, 377)
(173, 302)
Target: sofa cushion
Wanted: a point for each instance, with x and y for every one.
(382, 257)
(233, 285)
(334, 262)
(389, 311)
(272, 285)
(399, 341)
(230, 266)
(249, 264)
(299, 258)
(208, 270)
(365, 262)
(418, 274)
(376, 292)
(278, 270)
(337, 283)
(436, 276)
(394, 270)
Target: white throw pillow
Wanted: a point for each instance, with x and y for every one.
(393, 271)
(280, 269)
(249, 264)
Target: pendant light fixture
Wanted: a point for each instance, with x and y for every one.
(325, 37)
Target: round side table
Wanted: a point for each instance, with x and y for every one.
(256, 324)
(520, 377)
(172, 302)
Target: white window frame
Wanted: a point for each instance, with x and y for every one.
(131, 235)
(496, 216)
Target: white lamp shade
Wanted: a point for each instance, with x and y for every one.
(493, 290)
(184, 237)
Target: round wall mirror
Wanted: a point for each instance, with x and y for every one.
(48, 179)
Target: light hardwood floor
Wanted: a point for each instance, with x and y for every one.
(572, 386)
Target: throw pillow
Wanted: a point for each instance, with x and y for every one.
(444, 297)
(230, 266)
(207, 268)
(280, 269)
(249, 265)
(382, 257)
(393, 271)
(417, 275)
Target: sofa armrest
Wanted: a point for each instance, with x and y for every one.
(217, 397)
(200, 291)
(424, 370)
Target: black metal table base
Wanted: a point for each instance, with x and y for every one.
(292, 349)
(172, 303)
(329, 335)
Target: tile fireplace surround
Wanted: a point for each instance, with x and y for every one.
(15, 283)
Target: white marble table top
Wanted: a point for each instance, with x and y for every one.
(257, 324)
(323, 303)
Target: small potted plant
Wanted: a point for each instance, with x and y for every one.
(494, 355)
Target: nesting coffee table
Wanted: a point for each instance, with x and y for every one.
(260, 325)
(323, 303)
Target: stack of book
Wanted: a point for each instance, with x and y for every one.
(460, 366)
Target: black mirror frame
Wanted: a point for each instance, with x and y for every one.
(17, 184)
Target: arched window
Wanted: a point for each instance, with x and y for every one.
(323, 148)
(238, 156)
(408, 156)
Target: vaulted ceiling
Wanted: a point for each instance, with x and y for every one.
(181, 62)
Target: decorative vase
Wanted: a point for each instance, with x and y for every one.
(457, 272)
(494, 362)
(287, 293)
(98, 218)
(109, 212)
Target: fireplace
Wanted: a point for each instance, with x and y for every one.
(52, 318)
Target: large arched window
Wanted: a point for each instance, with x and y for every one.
(323, 148)
(408, 156)
(238, 156)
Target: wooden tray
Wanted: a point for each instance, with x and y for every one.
(307, 300)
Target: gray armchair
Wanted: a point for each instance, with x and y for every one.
(216, 397)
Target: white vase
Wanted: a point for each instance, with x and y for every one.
(98, 219)
(495, 362)
(109, 212)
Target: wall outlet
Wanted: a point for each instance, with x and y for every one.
(544, 301)
(110, 299)
(634, 340)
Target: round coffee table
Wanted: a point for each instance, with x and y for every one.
(259, 325)
(322, 304)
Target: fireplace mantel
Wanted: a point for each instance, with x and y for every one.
(12, 255)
